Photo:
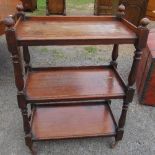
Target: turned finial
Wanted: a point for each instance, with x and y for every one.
(121, 11)
(9, 22)
(144, 22)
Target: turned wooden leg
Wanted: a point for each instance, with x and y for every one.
(24, 110)
(27, 130)
(28, 138)
(30, 145)
(121, 124)
(26, 55)
(114, 55)
(26, 124)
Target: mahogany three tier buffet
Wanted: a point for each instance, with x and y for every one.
(72, 102)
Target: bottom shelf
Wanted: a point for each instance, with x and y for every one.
(72, 121)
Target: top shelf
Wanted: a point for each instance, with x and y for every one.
(84, 30)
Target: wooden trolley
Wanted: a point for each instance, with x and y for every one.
(70, 102)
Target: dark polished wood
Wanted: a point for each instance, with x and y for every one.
(135, 10)
(145, 80)
(86, 121)
(115, 55)
(139, 45)
(73, 84)
(26, 55)
(56, 7)
(37, 86)
(105, 7)
(74, 30)
(29, 5)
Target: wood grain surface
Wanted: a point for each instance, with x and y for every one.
(71, 122)
(74, 29)
(29, 5)
(135, 10)
(69, 84)
(56, 7)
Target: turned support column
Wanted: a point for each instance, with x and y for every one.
(120, 14)
(20, 14)
(18, 70)
(114, 55)
(26, 55)
(24, 110)
(139, 45)
(18, 67)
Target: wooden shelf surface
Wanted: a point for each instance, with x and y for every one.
(73, 83)
(72, 122)
(74, 30)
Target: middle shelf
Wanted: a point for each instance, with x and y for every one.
(73, 83)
